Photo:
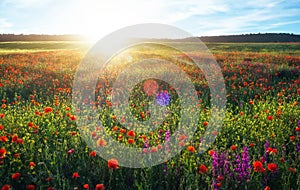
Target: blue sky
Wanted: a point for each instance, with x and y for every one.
(96, 18)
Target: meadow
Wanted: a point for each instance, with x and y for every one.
(258, 146)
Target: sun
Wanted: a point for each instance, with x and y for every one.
(94, 19)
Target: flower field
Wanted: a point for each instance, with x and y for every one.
(258, 146)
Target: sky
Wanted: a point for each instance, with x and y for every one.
(96, 18)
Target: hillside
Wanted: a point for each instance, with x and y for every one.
(266, 37)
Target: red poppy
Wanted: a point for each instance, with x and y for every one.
(205, 123)
(3, 139)
(182, 137)
(50, 188)
(150, 87)
(181, 143)
(267, 188)
(272, 167)
(270, 117)
(6, 187)
(32, 164)
(86, 186)
(93, 154)
(99, 187)
(258, 166)
(16, 175)
(191, 148)
(233, 147)
(101, 142)
(131, 133)
(293, 170)
(75, 175)
(48, 110)
(211, 152)
(30, 187)
(202, 169)
(130, 141)
(2, 152)
(113, 164)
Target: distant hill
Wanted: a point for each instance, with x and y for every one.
(260, 37)
(38, 37)
(267, 37)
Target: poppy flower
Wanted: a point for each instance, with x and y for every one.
(16, 176)
(3, 139)
(202, 169)
(130, 141)
(75, 175)
(270, 117)
(101, 142)
(99, 187)
(150, 87)
(293, 170)
(205, 123)
(182, 137)
(48, 110)
(6, 187)
(113, 164)
(258, 166)
(267, 188)
(2, 152)
(50, 188)
(191, 148)
(32, 164)
(233, 147)
(211, 152)
(272, 167)
(131, 133)
(93, 154)
(86, 186)
(30, 187)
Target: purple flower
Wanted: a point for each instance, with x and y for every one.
(242, 166)
(163, 99)
(299, 123)
(167, 139)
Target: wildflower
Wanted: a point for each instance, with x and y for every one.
(99, 187)
(30, 187)
(233, 147)
(131, 133)
(272, 167)
(182, 137)
(150, 87)
(258, 167)
(16, 176)
(202, 169)
(270, 117)
(267, 188)
(2, 152)
(211, 152)
(101, 142)
(205, 123)
(191, 148)
(6, 187)
(113, 164)
(293, 170)
(32, 165)
(48, 110)
(130, 141)
(86, 186)
(92, 154)
(75, 175)
(163, 99)
(3, 139)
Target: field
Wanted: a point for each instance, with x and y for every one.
(258, 146)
